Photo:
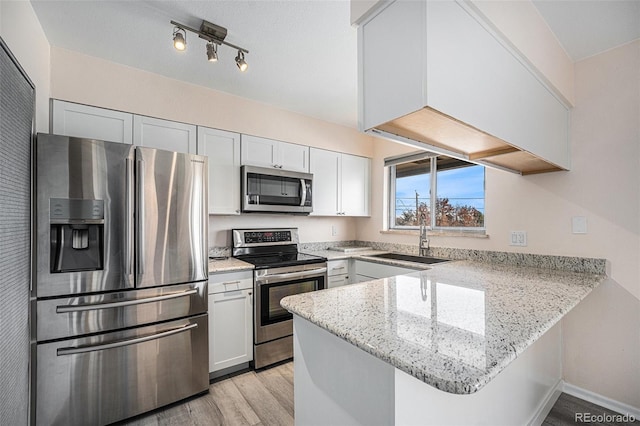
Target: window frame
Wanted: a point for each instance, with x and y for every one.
(433, 195)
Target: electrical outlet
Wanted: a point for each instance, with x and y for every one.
(518, 238)
(334, 231)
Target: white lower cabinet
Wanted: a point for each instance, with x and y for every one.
(367, 271)
(230, 321)
(337, 273)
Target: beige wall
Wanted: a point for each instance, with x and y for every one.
(21, 31)
(602, 336)
(85, 79)
(92, 81)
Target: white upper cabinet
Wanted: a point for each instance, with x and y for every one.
(341, 183)
(82, 121)
(263, 152)
(223, 150)
(164, 134)
(355, 183)
(325, 167)
(448, 82)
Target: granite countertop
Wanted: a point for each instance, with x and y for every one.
(228, 264)
(455, 326)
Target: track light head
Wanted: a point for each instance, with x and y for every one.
(240, 62)
(179, 38)
(212, 52)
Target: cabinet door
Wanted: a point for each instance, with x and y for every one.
(355, 185)
(82, 121)
(223, 150)
(293, 157)
(164, 134)
(260, 152)
(230, 329)
(325, 167)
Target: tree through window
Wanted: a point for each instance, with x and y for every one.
(452, 189)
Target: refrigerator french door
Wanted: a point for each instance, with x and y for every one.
(119, 322)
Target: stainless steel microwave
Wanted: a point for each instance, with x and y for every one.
(276, 191)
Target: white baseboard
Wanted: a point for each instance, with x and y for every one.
(603, 401)
(547, 404)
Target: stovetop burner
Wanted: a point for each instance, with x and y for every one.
(269, 248)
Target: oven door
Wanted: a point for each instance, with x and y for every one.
(271, 320)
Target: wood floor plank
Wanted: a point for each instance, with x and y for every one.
(265, 405)
(287, 371)
(278, 386)
(204, 411)
(235, 410)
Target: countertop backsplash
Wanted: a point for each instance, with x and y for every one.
(561, 263)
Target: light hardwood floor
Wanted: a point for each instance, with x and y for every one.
(252, 398)
(266, 398)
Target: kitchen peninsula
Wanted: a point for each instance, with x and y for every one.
(462, 343)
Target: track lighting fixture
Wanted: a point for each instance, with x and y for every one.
(212, 52)
(240, 62)
(179, 38)
(214, 35)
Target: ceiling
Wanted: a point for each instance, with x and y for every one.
(302, 53)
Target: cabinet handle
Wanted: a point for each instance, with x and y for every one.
(338, 267)
(231, 282)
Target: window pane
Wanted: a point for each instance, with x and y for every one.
(460, 194)
(413, 181)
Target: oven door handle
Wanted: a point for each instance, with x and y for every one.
(289, 276)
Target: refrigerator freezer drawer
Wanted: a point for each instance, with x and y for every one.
(76, 316)
(109, 377)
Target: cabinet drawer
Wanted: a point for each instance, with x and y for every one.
(337, 267)
(230, 281)
(337, 280)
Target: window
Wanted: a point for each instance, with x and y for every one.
(444, 192)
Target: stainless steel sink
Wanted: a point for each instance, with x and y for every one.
(410, 258)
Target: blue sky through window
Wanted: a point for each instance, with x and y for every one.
(463, 186)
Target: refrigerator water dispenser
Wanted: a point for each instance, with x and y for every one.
(77, 235)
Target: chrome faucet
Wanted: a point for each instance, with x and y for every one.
(423, 244)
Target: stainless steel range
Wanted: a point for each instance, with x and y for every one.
(280, 271)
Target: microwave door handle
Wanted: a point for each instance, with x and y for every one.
(303, 190)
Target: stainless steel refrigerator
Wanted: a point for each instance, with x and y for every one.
(119, 301)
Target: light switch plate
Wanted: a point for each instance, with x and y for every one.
(334, 231)
(579, 225)
(518, 238)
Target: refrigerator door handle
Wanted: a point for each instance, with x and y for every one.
(65, 309)
(129, 219)
(140, 239)
(120, 343)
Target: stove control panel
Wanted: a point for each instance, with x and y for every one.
(267, 237)
(263, 237)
